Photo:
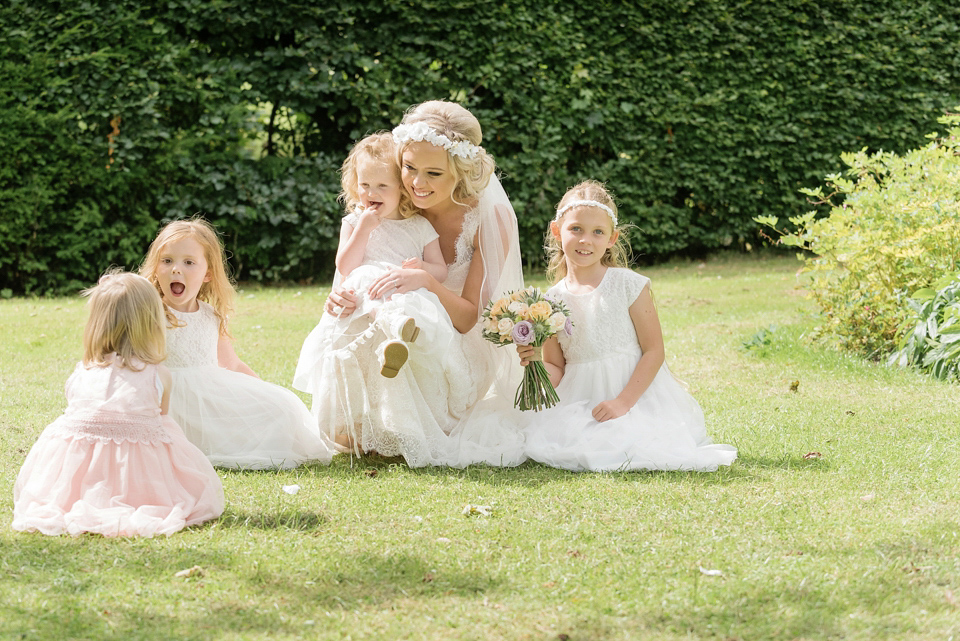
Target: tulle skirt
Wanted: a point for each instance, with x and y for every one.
(664, 430)
(240, 421)
(76, 483)
(432, 413)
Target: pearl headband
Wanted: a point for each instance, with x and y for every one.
(422, 132)
(588, 203)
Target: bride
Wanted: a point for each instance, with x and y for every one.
(451, 403)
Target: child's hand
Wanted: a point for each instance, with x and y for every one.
(368, 218)
(614, 408)
(412, 263)
(525, 352)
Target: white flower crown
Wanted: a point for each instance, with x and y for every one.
(588, 203)
(422, 132)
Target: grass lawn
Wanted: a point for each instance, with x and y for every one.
(860, 541)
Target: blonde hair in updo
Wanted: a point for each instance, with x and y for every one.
(380, 148)
(616, 256)
(456, 123)
(126, 319)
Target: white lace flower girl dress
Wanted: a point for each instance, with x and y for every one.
(664, 430)
(342, 352)
(237, 420)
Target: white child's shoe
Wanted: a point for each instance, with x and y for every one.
(392, 356)
(405, 328)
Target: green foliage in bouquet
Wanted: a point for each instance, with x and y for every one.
(931, 341)
(893, 228)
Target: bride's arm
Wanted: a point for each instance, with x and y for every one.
(464, 310)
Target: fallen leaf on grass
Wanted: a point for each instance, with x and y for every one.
(477, 510)
(867, 497)
(428, 577)
(371, 473)
(190, 573)
(813, 456)
(794, 386)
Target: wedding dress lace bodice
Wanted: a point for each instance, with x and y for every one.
(457, 270)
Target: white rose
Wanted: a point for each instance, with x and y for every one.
(505, 326)
(556, 322)
(518, 307)
(490, 325)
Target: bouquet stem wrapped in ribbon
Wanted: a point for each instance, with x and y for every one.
(527, 317)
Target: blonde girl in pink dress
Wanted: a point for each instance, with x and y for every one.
(236, 419)
(115, 463)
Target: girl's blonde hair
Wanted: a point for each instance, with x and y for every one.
(616, 256)
(378, 147)
(456, 123)
(218, 292)
(126, 319)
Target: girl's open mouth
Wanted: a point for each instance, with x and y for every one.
(177, 288)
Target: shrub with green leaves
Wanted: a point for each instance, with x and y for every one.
(893, 228)
(699, 114)
(931, 340)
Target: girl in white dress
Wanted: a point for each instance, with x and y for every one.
(620, 408)
(431, 413)
(381, 231)
(236, 419)
(115, 463)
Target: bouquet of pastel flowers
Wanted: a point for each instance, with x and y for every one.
(528, 317)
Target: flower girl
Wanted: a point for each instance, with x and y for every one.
(620, 408)
(115, 463)
(381, 231)
(236, 419)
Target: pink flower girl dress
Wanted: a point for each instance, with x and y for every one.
(112, 464)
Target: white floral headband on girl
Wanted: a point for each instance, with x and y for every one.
(587, 203)
(422, 132)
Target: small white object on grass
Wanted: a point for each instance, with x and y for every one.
(477, 510)
(704, 571)
(290, 489)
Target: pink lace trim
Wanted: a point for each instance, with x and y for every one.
(107, 426)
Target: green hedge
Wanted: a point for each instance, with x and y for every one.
(699, 115)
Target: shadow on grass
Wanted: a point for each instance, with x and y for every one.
(233, 596)
(281, 519)
(533, 474)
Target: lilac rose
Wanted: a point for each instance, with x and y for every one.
(523, 333)
(568, 327)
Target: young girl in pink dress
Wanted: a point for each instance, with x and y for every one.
(115, 463)
(620, 408)
(236, 419)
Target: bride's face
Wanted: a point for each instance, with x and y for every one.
(427, 176)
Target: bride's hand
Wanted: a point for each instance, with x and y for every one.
(397, 281)
(340, 302)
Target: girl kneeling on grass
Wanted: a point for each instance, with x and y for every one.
(620, 408)
(115, 463)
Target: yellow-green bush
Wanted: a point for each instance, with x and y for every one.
(893, 228)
